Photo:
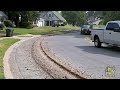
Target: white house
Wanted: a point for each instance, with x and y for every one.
(48, 18)
(39, 22)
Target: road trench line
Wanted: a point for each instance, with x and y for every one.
(60, 65)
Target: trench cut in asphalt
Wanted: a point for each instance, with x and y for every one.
(68, 56)
(28, 61)
(79, 55)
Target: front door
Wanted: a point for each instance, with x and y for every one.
(115, 36)
(107, 33)
(47, 23)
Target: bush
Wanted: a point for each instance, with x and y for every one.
(64, 23)
(34, 26)
(27, 25)
(8, 23)
(101, 23)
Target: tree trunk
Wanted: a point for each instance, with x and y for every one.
(17, 21)
(73, 23)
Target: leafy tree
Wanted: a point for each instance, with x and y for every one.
(108, 15)
(74, 17)
(26, 17)
(111, 15)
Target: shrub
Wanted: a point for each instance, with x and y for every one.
(8, 23)
(64, 23)
(101, 23)
(34, 25)
(26, 25)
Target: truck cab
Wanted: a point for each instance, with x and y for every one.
(112, 33)
(109, 35)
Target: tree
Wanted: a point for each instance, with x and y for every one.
(74, 17)
(13, 16)
(26, 17)
(111, 15)
(108, 15)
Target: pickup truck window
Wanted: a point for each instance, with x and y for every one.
(112, 26)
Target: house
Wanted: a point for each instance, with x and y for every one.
(39, 22)
(49, 18)
(3, 16)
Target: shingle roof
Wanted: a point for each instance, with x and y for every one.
(2, 14)
(42, 14)
(58, 15)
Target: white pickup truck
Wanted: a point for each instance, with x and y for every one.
(110, 35)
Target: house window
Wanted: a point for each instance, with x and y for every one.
(49, 15)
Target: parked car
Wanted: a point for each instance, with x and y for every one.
(109, 35)
(86, 29)
(55, 25)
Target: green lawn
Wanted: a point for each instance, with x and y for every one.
(1, 35)
(4, 45)
(46, 30)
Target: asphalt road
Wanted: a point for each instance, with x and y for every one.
(82, 55)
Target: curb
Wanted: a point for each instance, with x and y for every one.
(7, 70)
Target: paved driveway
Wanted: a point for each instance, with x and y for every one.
(74, 49)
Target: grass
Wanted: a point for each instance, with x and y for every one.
(2, 35)
(4, 45)
(46, 30)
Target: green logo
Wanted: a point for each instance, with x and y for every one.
(110, 72)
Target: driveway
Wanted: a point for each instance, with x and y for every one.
(81, 54)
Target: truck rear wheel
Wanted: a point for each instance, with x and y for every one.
(97, 42)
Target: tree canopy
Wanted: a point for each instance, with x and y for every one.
(26, 16)
(74, 17)
(107, 15)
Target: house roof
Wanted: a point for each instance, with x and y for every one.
(58, 15)
(2, 14)
(42, 14)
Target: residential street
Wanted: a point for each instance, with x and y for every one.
(81, 54)
(59, 45)
(74, 56)
(26, 60)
